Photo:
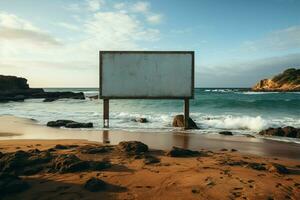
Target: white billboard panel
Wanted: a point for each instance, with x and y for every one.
(146, 74)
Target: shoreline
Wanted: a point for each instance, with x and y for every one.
(29, 129)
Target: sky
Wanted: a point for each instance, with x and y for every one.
(236, 42)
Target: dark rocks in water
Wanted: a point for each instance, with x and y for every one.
(225, 133)
(180, 152)
(53, 96)
(133, 147)
(95, 185)
(59, 123)
(178, 121)
(287, 131)
(151, 159)
(69, 124)
(11, 184)
(13, 88)
(79, 125)
(93, 97)
(49, 99)
(140, 120)
(281, 169)
(69, 163)
(13, 83)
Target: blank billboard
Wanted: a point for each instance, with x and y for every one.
(146, 74)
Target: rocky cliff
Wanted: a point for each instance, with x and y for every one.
(14, 88)
(287, 81)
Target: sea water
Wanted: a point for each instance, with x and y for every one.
(238, 110)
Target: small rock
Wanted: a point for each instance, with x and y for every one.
(249, 135)
(195, 190)
(233, 150)
(179, 152)
(225, 133)
(223, 149)
(140, 120)
(151, 160)
(133, 147)
(95, 185)
(257, 166)
(59, 146)
(275, 167)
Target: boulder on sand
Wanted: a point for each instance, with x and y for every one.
(180, 152)
(287, 131)
(95, 185)
(133, 147)
(178, 121)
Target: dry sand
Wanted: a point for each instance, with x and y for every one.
(219, 175)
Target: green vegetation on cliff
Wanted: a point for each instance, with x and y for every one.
(289, 76)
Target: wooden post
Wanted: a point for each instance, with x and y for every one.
(186, 113)
(106, 113)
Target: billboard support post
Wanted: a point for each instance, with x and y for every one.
(106, 113)
(186, 113)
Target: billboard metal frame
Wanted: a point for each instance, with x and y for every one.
(185, 98)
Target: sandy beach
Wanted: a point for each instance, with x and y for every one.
(224, 168)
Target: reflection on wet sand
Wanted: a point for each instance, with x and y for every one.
(27, 129)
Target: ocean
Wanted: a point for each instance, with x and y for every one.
(238, 110)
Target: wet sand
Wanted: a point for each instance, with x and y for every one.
(28, 129)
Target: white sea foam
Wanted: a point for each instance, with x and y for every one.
(235, 123)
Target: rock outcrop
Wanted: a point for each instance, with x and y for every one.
(14, 88)
(287, 81)
(178, 121)
(180, 152)
(287, 131)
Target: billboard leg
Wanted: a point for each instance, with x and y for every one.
(186, 113)
(105, 113)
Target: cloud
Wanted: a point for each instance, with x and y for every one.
(19, 36)
(115, 30)
(279, 40)
(35, 37)
(94, 5)
(141, 6)
(119, 6)
(68, 26)
(154, 18)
